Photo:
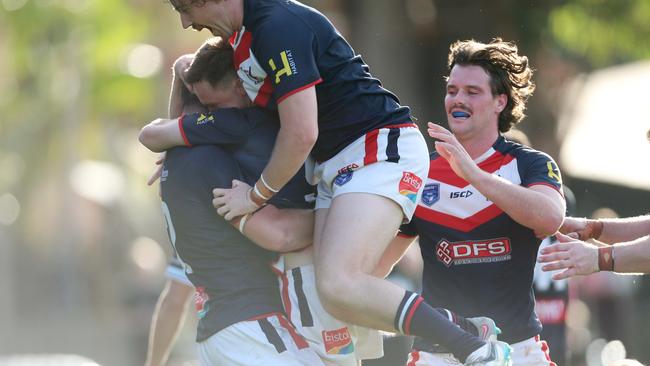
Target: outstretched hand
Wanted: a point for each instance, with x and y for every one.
(574, 256)
(233, 202)
(580, 228)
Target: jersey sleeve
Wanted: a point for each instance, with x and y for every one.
(541, 169)
(228, 126)
(287, 50)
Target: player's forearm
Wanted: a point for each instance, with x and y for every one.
(161, 134)
(297, 136)
(632, 256)
(279, 230)
(539, 208)
(625, 229)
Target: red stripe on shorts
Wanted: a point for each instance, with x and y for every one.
(285, 294)
(371, 147)
(297, 338)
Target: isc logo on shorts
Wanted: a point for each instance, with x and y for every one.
(410, 185)
(337, 341)
(475, 251)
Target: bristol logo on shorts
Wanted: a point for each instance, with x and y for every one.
(338, 341)
(431, 193)
(410, 185)
(200, 301)
(343, 178)
(473, 251)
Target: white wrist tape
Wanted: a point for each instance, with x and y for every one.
(242, 222)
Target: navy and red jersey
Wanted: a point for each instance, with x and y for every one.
(249, 134)
(285, 47)
(477, 260)
(231, 275)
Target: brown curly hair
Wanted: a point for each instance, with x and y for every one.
(509, 73)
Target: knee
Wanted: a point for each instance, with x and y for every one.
(335, 292)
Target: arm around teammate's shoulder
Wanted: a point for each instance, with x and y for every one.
(161, 134)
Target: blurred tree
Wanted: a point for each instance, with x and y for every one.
(603, 32)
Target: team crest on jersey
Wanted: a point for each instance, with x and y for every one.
(473, 251)
(410, 185)
(343, 178)
(200, 301)
(338, 341)
(431, 193)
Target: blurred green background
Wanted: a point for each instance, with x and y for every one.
(82, 243)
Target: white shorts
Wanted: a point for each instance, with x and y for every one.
(390, 162)
(335, 341)
(530, 352)
(269, 341)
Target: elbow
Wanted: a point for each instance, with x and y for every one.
(550, 223)
(305, 139)
(148, 138)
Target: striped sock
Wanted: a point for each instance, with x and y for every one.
(416, 317)
(462, 322)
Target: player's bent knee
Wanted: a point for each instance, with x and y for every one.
(336, 293)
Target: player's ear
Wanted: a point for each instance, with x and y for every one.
(501, 102)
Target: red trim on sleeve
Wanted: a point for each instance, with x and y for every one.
(558, 190)
(404, 235)
(287, 95)
(180, 128)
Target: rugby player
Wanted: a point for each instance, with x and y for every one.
(370, 158)
(336, 343)
(484, 201)
(241, 319)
